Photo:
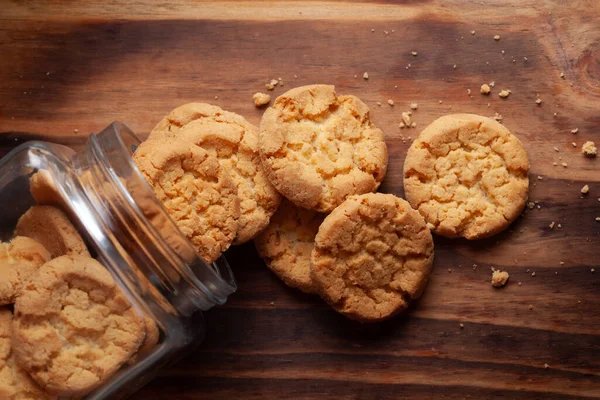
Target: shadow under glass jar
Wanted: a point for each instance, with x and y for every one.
(127, 230)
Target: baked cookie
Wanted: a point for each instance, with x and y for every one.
(196, 191)
(19, 261)
(15, 383)
(150, 339)
(234, 141)
(467, 175)
(318, 148)
(43, 189)
(372, 256)
(73, 326)
(51, 227)
(287, 243)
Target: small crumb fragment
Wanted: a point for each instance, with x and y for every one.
(551, 225)
(531, 306)
(76, 130)
(272, 303)
(530, 205)
(554, 163)
(454, 66)
(498, 117)
(546, 366)
(504, 93)
(391, 102)
(564, 164)
(413, 125)
(492, 84)
(538, 101)
(469, 92)
(366, 75)
(268, 86)
(430, 226)
(592, 270)
(533, 273)
(260, 99)
(559, 226)
(406, 118)
(462, 326)
(414, 53)
(499, 278)
(502, 52)
(402, 125)
(556, 149)
(589, 149)
(585, 189)
(573, 144)
(414, 106)
(562, 75)
(540, 178)
(497, 37)
(573, 131)
(485, 89)
(562, 263)
(519, 283)
(472, 32)
(379, 103)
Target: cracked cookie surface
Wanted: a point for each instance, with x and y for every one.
(19, 261)
(196, 191)
(234, 141)
(467, 175)
(73, 326)
(373, 255)
(287, 243)
(52, 228)
(318, 148)
(15, 383)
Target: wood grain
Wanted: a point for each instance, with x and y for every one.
(80, 65)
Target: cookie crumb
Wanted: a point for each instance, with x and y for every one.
(414, 106)
(272, 303)
(531, 306)
(589, 149)
(260, 99)
(268, 86)
(551, 225)
(546, 366)
(472, 32)
(391, 102)
(492, 84)
(538, 101)
(519, 283)
(379, 103)
(414, 53)
(573, 144)
(498, 117)
(574, 130)
(562, 75)
(497, 37)
(559, 226)
(556, 149)
(454, 66)
(592, 270)
(406, 118)
(469, 92)
(366, 75)
(402, 125)
(540, 178)
(76, 130)
(585, 189)
(499, 278)
(485, 89)
(564, 164)
(504, 93)
(462, 326)
(533, 273)
(562, 263)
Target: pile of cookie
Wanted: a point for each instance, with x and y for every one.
(367, 254)
(65, 325)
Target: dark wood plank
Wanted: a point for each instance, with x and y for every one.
(83, 65)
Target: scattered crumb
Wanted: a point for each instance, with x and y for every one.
(498, 117)
(402, 125)
(562, 263)
(216, 97)
(556, 149)
(472, 32)
(559, 226)
(406, 118)
(414, 106)
(469, 92)
(531, 306)
(449, 270)
(272, 303)
(454, 66)
(372, 30)
(462, 326)
(440, 102)
(260, 99)
(366, 75)
(271, 85)
(562, 75)
(573, 144)
(551, 225)
(485, 89)
(585, 189)
(295, 76)
(499, 278)
(546, 366)
(589, 149)
(497, 37)
(533, 273)
(593, 270)
(391, 102)
(76, 130)
(379, 103)
(574, 130)
(502, 51)
(554, 163)
(492, 84)
(413, 125)
(564, 164)
(541, 178)
(414, 53)
(519, 283)
(538, 101)
(530, 205)
(504, 93)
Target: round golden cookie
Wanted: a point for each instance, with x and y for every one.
(74, 327)
(52, 228)
(196, 191)
(287, 243)
(467, 175)
(19, 261)
(318, 148)
(372, 256)
(234, 141)
(15, 383)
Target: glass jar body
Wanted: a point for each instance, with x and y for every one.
(128, 231)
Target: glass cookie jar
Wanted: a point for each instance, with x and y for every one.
(128, 231)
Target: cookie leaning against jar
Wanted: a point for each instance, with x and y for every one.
(73, 326)
(196, 191)
(372, 257)
(234, 141)
(467, 175)
(318, 148)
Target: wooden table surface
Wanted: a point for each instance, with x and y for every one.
(70, 68)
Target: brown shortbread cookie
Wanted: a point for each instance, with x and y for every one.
(196, 191)
(51, 227)
(318, 148)
(73, 326)
(234, 141)
(467, 175)
(372, 256)
(19, 261)
(15, 383)
(287, 243)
